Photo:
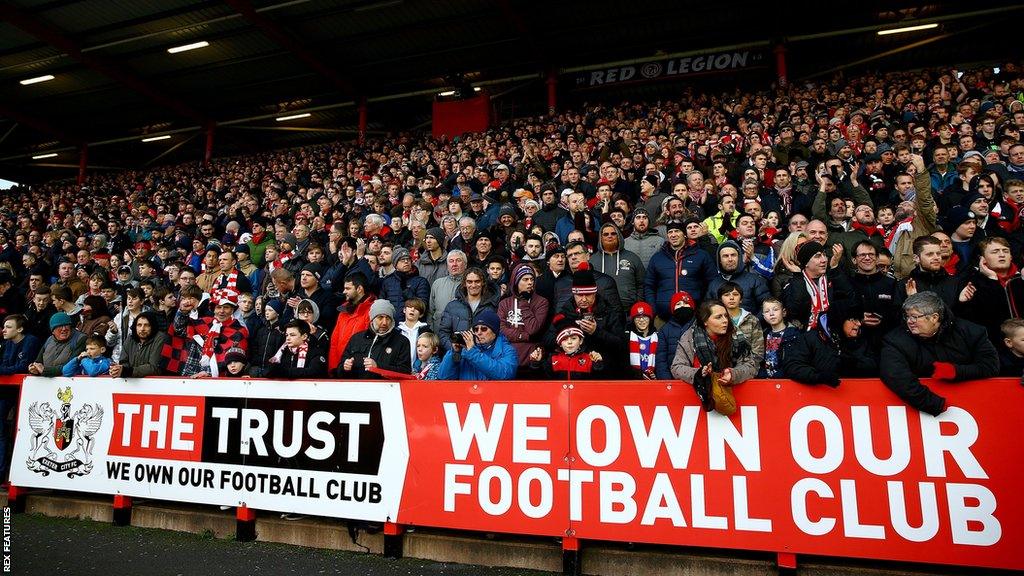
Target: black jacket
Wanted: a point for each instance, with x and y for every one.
(876, 293)
(940, 282)
(391, 351)
(262, 347)
(816, 358)
(315, 365)
(993, 303)
(907, 358)
(797, 301)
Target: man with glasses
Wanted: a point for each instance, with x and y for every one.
(875, 292)
(933, 343)
(481, 353)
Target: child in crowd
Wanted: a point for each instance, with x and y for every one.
(412, 327)
(777, 333)
(1011, 355)
(643, 341)
(427, 361)
(92, 361)
(235, 363)
(731, 296)
(573, 362)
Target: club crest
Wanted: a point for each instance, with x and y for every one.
(63, 441)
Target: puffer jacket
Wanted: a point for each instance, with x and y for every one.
(494, 361)
(390, 351)
(459, 315)
(668, 341)
(688, 269)
(754, 287)
(398, 287)
(623, 266)
(906, 358)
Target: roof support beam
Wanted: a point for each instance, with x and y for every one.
(60, 40)
(285, 40)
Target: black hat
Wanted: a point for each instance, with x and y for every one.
(807, 251)
(583, 281)
(675, 225)
(957, 215)
(313, 268)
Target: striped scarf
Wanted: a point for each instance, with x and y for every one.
(300, 355)
(818, 290)
(232, 280)
(642, 350)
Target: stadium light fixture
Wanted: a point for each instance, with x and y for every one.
(42, 156)
(187, 47)
(37, 80)
(155, 138)
(476, 88)
(293, 117)
(908, 29)
(447, 93)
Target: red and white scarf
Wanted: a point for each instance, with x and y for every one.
(232, 280)
(642, 350)
(209, 344)
(300, 354)
(281, 259)
(892, 236)
(818, 289)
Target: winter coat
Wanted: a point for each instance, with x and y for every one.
(398, 287)
(644, 244)
(288, 368)
(548, 216)
(993, 303)
(578, 366)
(606, 287)
(53, 355)
(624, 267)
(140, 359)
(431, 269)
(263, 345)
(907, 358)
(816, 358)
(495, 361)
(947, 287)
(459, 315)
(668, 341)
(609, 339)
(350, 322)
(523, 322)
(689, 269)
(750, 327)
(442, 291)
(877, 293)
(753, 286)
(797, 301)
(683, 365)
(390, 351)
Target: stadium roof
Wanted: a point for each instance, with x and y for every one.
(114, 80)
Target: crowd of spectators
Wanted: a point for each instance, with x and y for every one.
(865, 226)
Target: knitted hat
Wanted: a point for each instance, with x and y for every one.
(242, 248)
(436, 234)
(224, 297)
(398, 253)
(522, 271)
(235, 354)
(59, 319)
(807, 251)
(276, 304)
(957, 215)
(489, 318)
(564, 328)
(651, 179)
(675, 225)
(289, 239)
(506, 209)
(583, 281)
(640, 309)
(382, 307)
(640, 212)
(682, 297)
(314, 269)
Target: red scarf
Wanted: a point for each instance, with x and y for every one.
(818, 289)
(281, 259)
(1010, 274)
(867, 229)
(232, 281)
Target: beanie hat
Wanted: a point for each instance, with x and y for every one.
(971, 197)
(398, 253)
(382, 307)
(436, 234)
(234, 354)
(583, 281)
(521, 271)
(506, 209)
(640, 212)
(640, 309)
(675, 225)
(651, 179)
(564, 328)
(682, 297)
(59, 319)
(289, 239)
(242, 247)
(489, 318)
(957, 215)
(807, 251)
(276, 304)
(313, 268)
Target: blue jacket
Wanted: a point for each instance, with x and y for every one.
(495, 361)
(398, 287)
(87, 367)
(666, 275)
(15, 358)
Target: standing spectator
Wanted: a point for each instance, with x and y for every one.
(572, 360)
(405, 282)
(412, 326)
(934, 343)
(623, 266)
(443, 290)
(683, 308)
(603, 327)
(140, 350)
(431, 263)
(994, 291)
(310, 289)
(875, 292)
(19, 349)
(644, 240)
(198, 345)
(835, 349)
(808, 296)
(90, 362)
(577, 257)
(714, 357)
(929, 275)
(732, 268)
(523, 314)
(680, 266)
(480, 354)
(473, 297)
(353, 318)
(267, 339)
(297, 358)
(64, 344)
(379, 346)
(643, 341)
(39, 312)
(730, 295)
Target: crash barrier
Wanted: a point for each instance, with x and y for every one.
(847, 472)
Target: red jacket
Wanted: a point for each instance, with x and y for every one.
(348, 323)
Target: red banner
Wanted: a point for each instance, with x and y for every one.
(847, 472)
(456, 117)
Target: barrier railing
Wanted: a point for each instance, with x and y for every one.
(848, 472)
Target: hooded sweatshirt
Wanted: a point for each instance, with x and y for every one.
(623, 266)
